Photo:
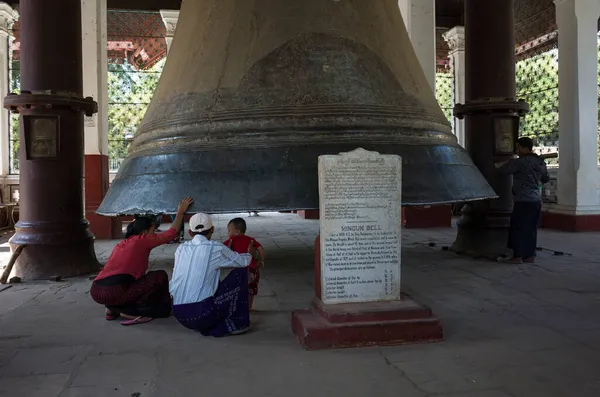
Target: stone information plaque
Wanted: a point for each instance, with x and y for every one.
(360, 211)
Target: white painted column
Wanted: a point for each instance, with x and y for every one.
(8, 16)
(419, 18)
(455, 38)
(95, 74)
(170, 18)
(578, 175)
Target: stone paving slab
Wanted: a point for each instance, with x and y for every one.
(119, 390)
(45, 361)
(34, 386)
(510, 331)
(116, 369)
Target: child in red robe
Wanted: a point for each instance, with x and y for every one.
(239, 242)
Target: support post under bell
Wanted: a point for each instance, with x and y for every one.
(51, 105)
(483, 226)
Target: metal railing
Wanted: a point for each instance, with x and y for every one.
(114, 164)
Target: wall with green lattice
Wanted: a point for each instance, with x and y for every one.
(537, 83)
(131, 88)
(444, 92)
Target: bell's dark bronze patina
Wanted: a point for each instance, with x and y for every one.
(254, 91)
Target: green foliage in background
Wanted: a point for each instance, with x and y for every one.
(537, 83)
(129, 93)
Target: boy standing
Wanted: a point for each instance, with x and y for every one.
(239, 242)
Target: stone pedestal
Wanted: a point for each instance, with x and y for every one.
(52, 108)
(324, 326)
(358, 301)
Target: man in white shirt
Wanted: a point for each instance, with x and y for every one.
(210, 283)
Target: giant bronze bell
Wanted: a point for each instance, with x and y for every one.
(255, 90)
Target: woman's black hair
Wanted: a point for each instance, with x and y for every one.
(140, 225)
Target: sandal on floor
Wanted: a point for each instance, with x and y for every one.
(137, 320)
(111, 316)
(240, 331)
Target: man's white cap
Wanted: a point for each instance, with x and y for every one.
(200, 222)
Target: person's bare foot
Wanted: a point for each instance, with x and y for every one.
(529, 260)
(512, 260)
(111, 315)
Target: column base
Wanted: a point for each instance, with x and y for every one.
(96, 186)
(40, 262)
(427, 217)
(483, 235)
(571, 223)
(365, 324)
(309, 214)
(103, 227)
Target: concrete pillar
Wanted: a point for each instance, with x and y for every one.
(455, 38)
(419, 18)
(95, 85)
(170, 18)
(578, 206)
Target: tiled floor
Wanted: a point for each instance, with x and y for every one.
(530, 330)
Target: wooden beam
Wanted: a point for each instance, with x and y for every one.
(442, 21)
(150, 5)
(146, 5)
(448, 22)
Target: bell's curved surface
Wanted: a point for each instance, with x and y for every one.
(254, 91)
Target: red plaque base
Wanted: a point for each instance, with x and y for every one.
(365, 324)
(427, 217)
(309, 214)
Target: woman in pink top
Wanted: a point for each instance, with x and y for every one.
(125, 286)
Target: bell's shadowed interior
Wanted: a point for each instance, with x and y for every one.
(254, 91)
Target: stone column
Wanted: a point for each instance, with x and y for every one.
(419, 18)
(52, 229)
(455, 38)
(8, 16)
(170, 18)
(491, 121)
(95, 84)
(578, 206)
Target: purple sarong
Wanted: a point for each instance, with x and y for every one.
(220, 315)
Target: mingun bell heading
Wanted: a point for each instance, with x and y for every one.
(254, 91)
